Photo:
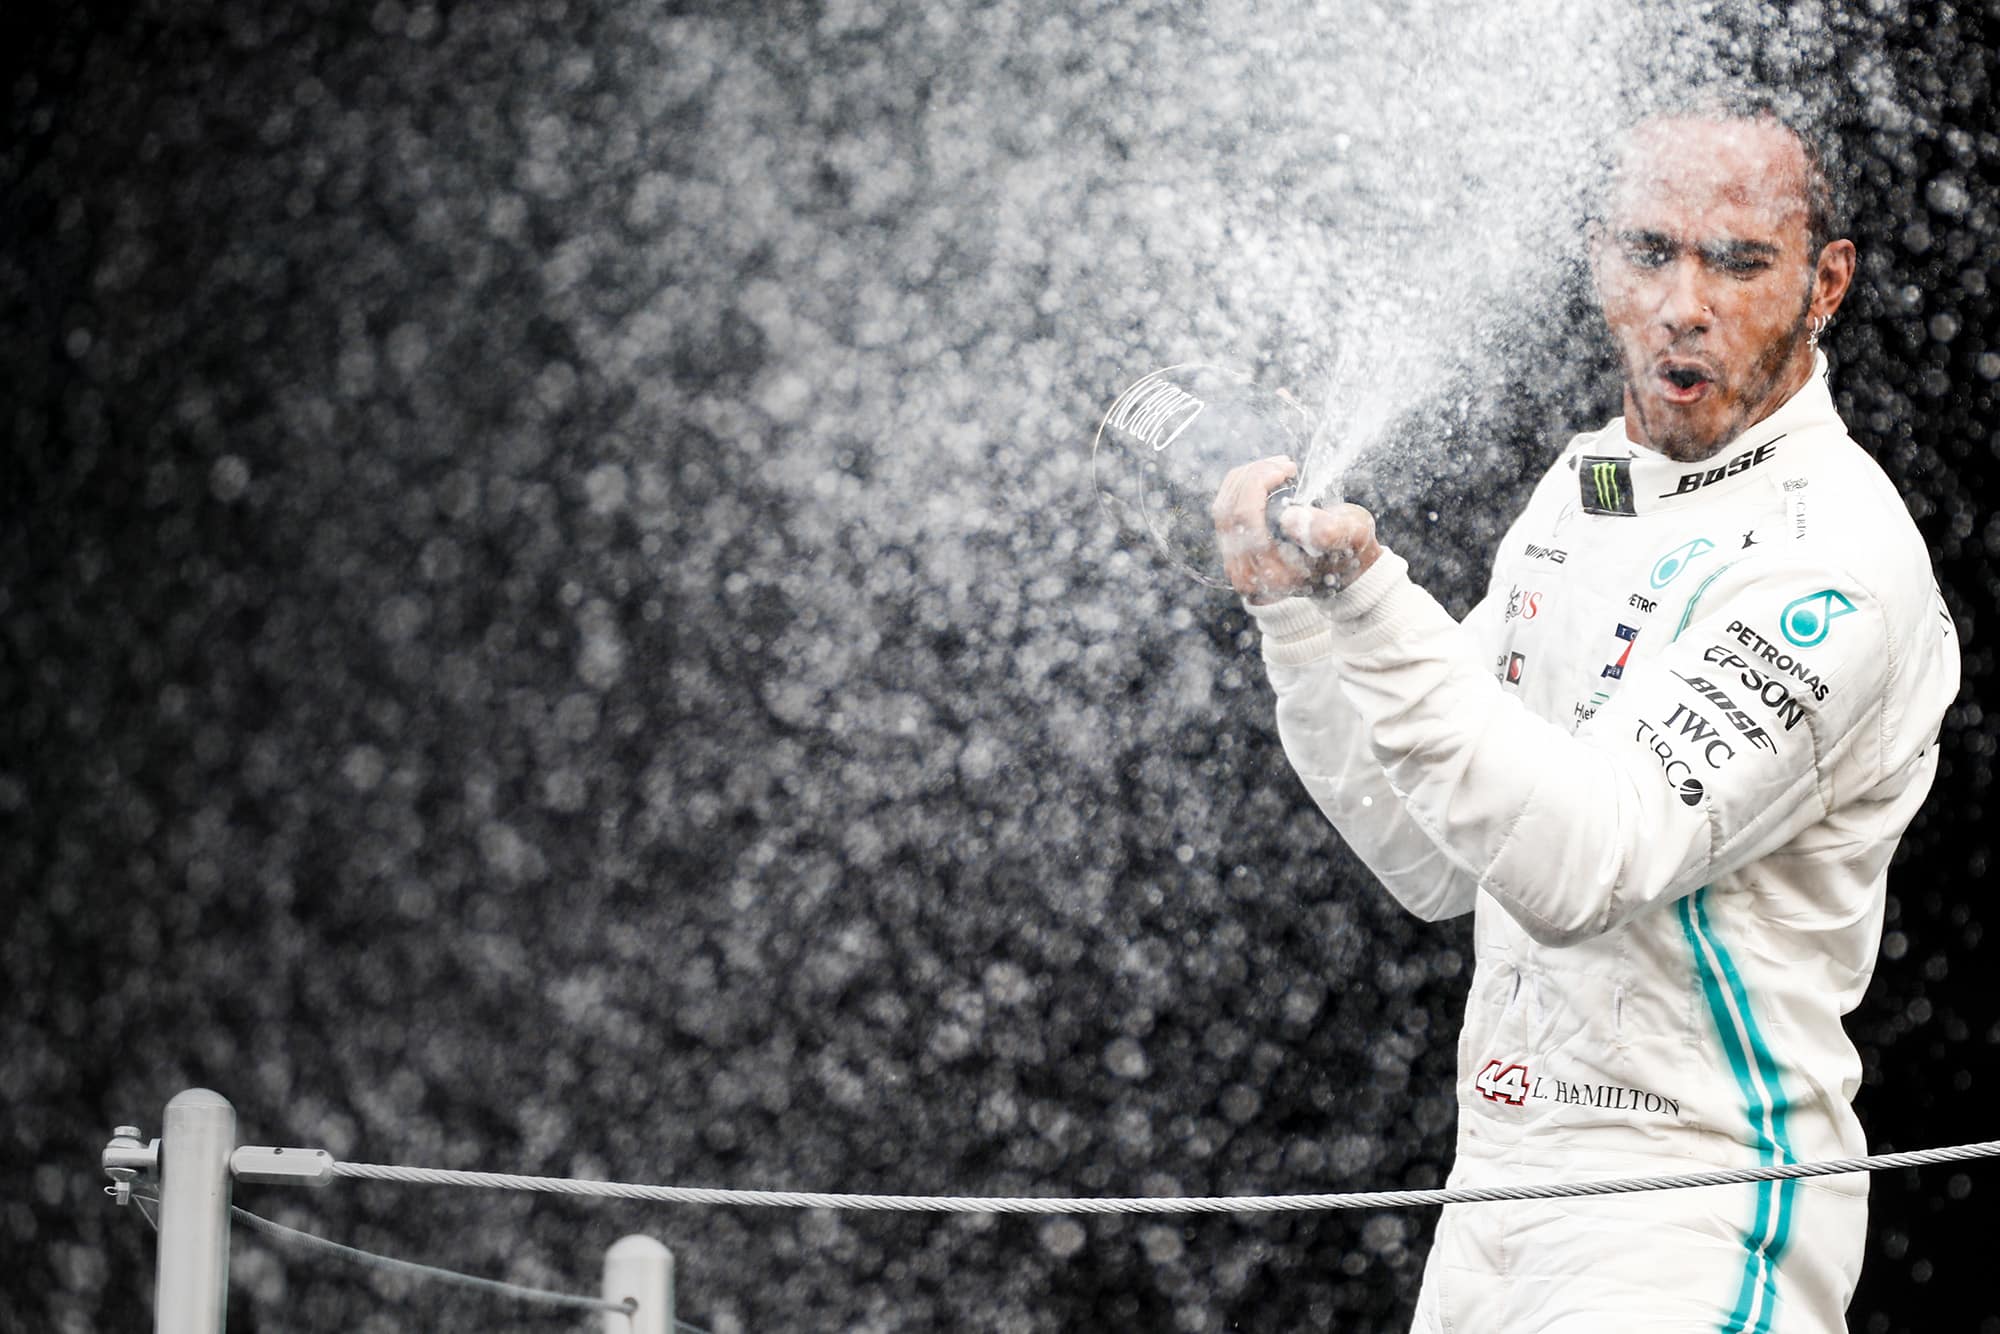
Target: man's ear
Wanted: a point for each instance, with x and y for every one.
(1833, 274)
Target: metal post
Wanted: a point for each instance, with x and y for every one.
(640, 1270)
(193, 1287)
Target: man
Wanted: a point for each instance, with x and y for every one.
(1664, 763)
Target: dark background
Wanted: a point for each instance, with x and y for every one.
(553, 618)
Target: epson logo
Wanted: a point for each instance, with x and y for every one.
(1769, 690)
(1777, 659)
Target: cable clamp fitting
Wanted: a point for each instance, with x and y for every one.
(290, 1167)
(127, 1160)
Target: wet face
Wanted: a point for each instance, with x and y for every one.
(1708, 281)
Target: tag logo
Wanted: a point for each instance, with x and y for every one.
(1606, 485)
(1806, 621)
(1668, 567)
(1516, 663)
(1616, 669)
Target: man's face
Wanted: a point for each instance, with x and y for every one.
(1707, 279)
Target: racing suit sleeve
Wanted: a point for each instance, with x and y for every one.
(1327, 742)
(1720, 745)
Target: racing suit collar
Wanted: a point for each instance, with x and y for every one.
(1617, 477)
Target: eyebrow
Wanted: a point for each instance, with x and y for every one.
(1741, 250)
(1725, 249)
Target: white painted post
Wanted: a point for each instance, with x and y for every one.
(639, 1269)
(191, 1293)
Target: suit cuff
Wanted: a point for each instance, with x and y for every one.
(1296, 630)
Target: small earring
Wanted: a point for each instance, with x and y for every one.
(1819, 326)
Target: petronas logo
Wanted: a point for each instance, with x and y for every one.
(1606, 485)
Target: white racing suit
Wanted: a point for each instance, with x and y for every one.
(1664, 763)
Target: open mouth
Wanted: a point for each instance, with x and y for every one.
(1684, 383)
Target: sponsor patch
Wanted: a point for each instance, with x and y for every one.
(1806, 620)
(1587, 710)
(1695, 728)
(1795, 506)
(1776, 660)
(1746, 726)
(1605, 485)
(1769, 690)
(1616, 669)
(1743, 462)
(1525, 603)
(1670, 566)
(1680, 774)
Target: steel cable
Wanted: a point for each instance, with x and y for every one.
(412, 1268)
(1166, 1204)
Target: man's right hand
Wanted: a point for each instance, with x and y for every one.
(1329, 548)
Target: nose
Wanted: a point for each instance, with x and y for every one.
(1683, 299)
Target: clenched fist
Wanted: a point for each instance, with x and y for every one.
(1328, 548)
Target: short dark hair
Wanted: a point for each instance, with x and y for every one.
(1825, 211)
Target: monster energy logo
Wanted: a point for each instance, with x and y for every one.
(1604, 475)
(1607, 485)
